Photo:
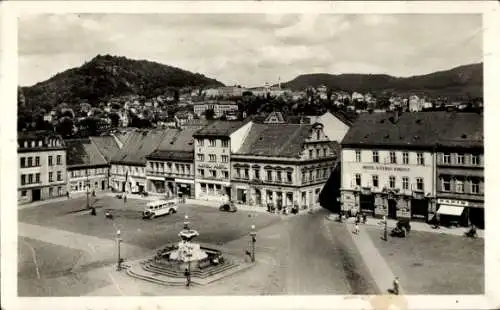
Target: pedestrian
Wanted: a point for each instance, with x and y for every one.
(67, 194)
(364, 218)
(395, 285)
(125, 198)
(356, 228)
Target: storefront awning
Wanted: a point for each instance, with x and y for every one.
(450, 210)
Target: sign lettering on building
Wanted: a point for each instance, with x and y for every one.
(451, 202)
(386, 168)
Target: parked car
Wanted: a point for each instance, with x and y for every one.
(228, 207)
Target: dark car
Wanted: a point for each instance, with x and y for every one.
(228, 207)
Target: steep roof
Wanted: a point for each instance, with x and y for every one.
(176, 145)
(275, 140)
(138, 146)
(419, 129)
(107, 146)
(220, 128)
(84, 153)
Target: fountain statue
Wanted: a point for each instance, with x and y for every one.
(188, 251)
(188, 254)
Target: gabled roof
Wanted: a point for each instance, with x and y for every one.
(176, 145)
(275, 140)
(138, 146)
(418, 129)
(83, 153)
(219, 129)
(107, 146)
(275, 118)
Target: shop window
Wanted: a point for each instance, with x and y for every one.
(24, 194)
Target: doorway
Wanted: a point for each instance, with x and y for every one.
(36, 194)
(393, 209)
(103, 185)
(367, 203)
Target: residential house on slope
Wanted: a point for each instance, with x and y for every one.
(335, 125)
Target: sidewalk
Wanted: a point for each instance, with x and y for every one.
(58, 199)
(415, 226)
(376, 264)
(260, 209)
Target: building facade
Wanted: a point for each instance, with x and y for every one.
(87, 167)
(460, 172)
(170, 168)
(395, 182)
(128, 165)
(212, 158)
(42, 166)
(421, 165)
(269, 170)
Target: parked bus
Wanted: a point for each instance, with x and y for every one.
(159, 207)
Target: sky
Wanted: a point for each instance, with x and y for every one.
(252, 49)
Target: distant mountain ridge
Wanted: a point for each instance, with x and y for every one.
(460, 81)
(108, 76)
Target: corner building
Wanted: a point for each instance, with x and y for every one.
(283, 165)
(388, 165)
(42, 166)
(212, 157)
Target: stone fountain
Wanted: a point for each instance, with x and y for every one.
(205, 263)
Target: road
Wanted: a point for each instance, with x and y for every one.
(304, 254)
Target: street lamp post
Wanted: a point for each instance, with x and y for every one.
(253, 234)
(385, 228)
(188, 274)
(118, 243)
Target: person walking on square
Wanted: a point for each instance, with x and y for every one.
(395, 285)
(356, 228)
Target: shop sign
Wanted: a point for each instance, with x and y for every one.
(386, 168)
(452, 202)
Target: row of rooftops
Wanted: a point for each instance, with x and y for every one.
(407, 130)
(417, 130)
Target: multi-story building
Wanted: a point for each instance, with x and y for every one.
(42, 166)
(282, 165)
(219, 107)
(88, 163)
(170, 168)
(388, 165)
(128, 166)
(460, 171)
(212, 157)
(335, 125)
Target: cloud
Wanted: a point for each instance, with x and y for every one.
(252, 49)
